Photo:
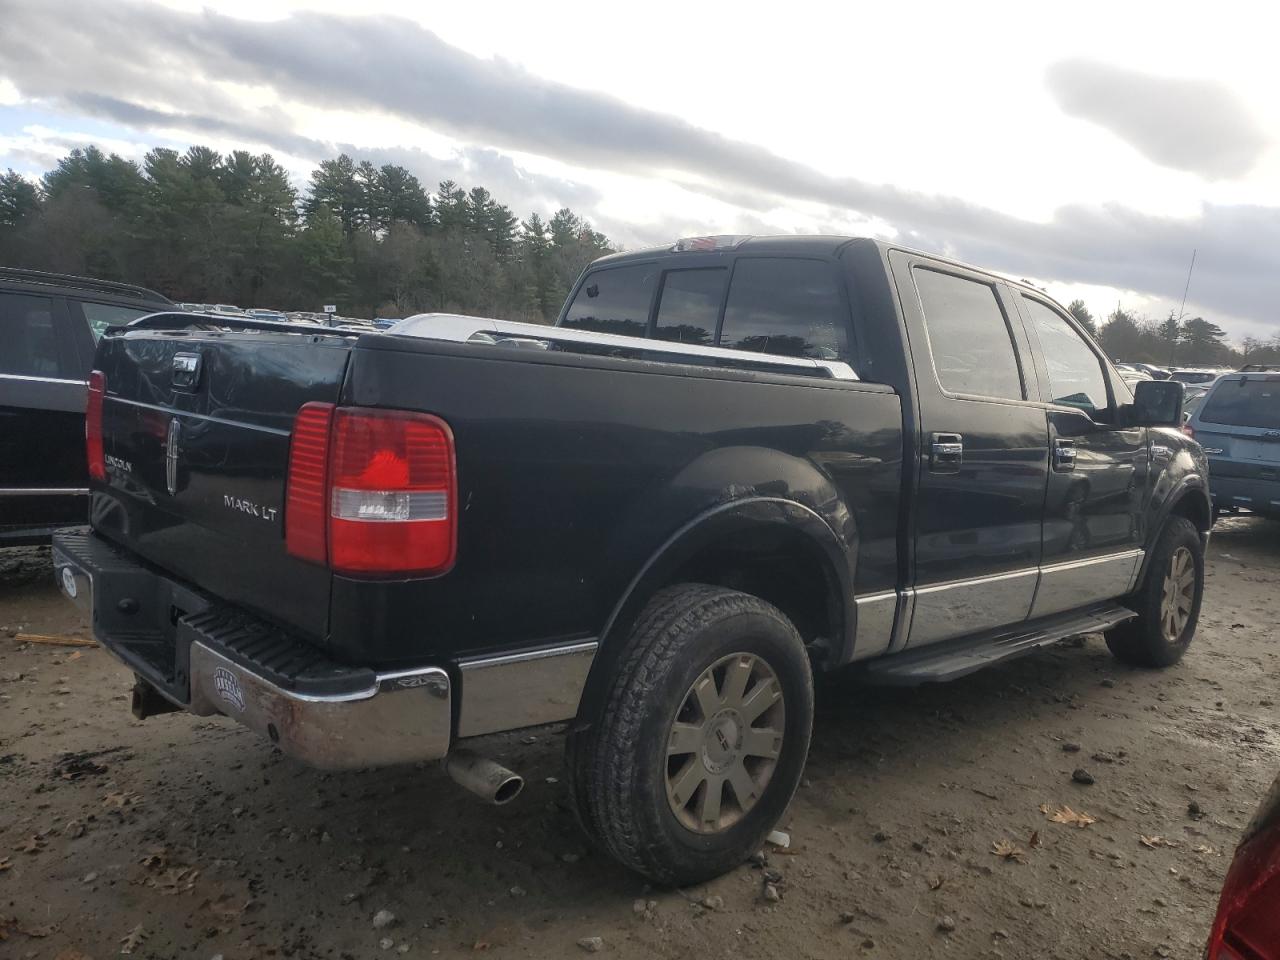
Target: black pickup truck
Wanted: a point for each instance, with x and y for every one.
(733, 463)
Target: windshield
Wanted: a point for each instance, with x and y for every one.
(1247, 402)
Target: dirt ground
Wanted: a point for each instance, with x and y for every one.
(182, 837)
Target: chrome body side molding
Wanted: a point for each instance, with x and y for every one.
(876, 615)
(523, 689)
(892, 620)
(946, 610)
(1075, 583)
(44, 491)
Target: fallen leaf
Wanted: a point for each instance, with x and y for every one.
(1153, 842)
(935, 883)
(120, 799)
(228, 906)
(5, 864)
(1072, 817)
(30, 845)
(157, 858)
(1044, 808)
(1035, 839)
(133, 939)
(175, 880)
(74, 657)
(1203, 848)
(1009, 851)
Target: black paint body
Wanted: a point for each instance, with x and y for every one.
(586, 481)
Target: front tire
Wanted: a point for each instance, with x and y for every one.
(1167, 602)
(702, 739)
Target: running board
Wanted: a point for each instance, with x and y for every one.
(956, 658)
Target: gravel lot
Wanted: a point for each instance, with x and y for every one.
(181, 837)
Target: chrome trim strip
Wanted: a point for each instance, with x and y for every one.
(187, 414)
(526, 689)
(43, 491)
(876, 614)
(1074, 583)
(460, 329)
(953, 609)
(28, 379)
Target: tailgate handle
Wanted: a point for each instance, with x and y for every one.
(186, 370)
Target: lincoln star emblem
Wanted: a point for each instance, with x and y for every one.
(171, 449)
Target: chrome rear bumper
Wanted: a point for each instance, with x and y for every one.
(373, 720)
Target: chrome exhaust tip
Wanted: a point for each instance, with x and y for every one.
(487, 779)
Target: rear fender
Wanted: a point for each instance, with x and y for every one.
(801, 524)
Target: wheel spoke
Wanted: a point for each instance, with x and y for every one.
(745, 790)
(761, 742)
(709, 806)
(685, 738)
(708, 696)
(736, 676)
(686, 782)
(763, 696)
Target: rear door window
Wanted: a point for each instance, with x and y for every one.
(614, 301)
(99, 316)
(28, 337)
(1244, 402)
(786, 306)
(969, 337)
(690, 305)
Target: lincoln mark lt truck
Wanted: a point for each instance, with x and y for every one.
(732, 464)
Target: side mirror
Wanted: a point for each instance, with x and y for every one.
(1156, 403)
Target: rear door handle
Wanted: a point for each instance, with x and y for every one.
(946, 453)
(1064, 455)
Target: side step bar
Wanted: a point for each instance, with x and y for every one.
(955, 658)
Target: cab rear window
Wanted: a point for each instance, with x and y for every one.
(615, 300)
(1246, 402)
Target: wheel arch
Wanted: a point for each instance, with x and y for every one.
(776, 549)
(1190, 500)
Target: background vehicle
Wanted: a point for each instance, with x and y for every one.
(1238, 424)
(260, 313)
(735, 461)
(1247, 925)
(1194, 377)
(49, 324)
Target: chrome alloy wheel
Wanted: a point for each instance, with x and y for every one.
(1178, 595)
(724, 742)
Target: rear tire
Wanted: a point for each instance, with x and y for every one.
(1167, 602)
(702, 738)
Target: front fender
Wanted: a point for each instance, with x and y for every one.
(1185, 474)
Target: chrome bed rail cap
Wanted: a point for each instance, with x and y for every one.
(456, 328)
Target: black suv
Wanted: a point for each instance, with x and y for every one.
(49, 326)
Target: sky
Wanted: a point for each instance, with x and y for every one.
(1089, 148)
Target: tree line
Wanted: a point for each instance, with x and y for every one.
(211, 228)
(205, 227)
(1173, 342)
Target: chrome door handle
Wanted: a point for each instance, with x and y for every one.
(946, 453)
(1064, 455)
(1160, 453)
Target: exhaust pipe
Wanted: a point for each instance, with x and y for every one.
(490, 781)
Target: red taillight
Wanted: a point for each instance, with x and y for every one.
(306, 514)
(1189, 430)
(372, 492)
(93, 426)
(1247, 926)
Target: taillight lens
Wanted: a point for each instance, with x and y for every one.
(1247, 926)
(372, 492)
(94, 452)
(1189, 430)
(306, 514)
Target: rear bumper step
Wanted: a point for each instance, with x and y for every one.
(950, 660)
(211, 659)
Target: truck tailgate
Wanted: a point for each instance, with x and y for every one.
(196, 427)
